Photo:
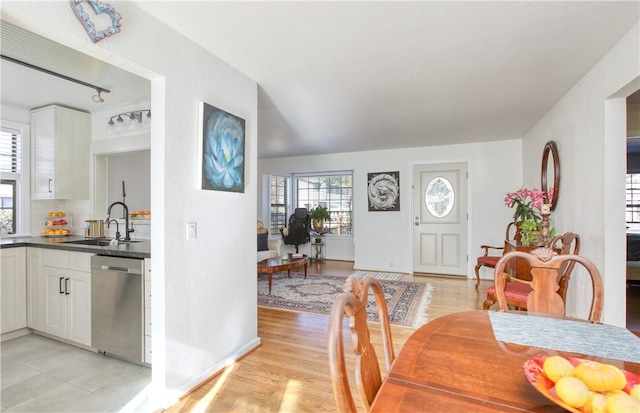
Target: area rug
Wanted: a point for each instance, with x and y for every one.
(407, 302)
(387, 276)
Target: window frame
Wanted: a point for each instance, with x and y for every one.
(327, 174)
(14, 216)
(22, 200)
(273, 227)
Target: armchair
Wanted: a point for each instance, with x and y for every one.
(490, 261)
(297, 232)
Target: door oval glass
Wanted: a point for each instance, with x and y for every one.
(439, 197)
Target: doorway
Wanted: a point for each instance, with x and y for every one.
(440, 219)
(633, 213)
(34, 88)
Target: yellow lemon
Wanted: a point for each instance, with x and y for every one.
(555, 367)
(635, 392)
(597, 403)
(621, 402)
(600, 377)
(572, 391)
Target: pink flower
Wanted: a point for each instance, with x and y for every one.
(527, 202)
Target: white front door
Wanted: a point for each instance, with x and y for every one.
(440, 218)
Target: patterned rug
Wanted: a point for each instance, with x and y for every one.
(407, 302)
(386, 276)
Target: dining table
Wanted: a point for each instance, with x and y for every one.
(473, 361)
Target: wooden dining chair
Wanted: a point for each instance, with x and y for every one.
(353, 302)
(516, 293)
(544, 296)
(490, 261)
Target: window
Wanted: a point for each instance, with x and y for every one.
(11, 179)
(633, 201)
(7, 205)
(332, 191)
(278, 199)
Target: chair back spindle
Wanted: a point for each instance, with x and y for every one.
(353, 302)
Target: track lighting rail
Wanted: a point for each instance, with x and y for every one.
(98, 89)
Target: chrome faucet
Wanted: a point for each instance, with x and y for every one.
(127, 230)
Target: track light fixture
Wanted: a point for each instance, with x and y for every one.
(98, 97)
(135, 120)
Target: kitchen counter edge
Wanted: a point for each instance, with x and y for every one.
(140, 249)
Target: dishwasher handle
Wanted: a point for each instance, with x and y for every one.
(112, 268)
(117, 264)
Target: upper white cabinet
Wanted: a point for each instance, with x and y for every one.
(60, 154)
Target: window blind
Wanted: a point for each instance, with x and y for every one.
(10, 150)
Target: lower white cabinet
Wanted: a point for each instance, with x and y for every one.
(67, 295)
(35, 289)
(13, 291)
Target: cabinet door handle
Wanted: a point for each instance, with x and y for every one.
(66, 286)
(50, 185)
(60, 282)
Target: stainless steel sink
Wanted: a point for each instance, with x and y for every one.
(92, 241)
(100, 242)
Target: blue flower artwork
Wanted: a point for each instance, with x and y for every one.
(222, 150)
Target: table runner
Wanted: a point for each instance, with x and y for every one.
(599, 340)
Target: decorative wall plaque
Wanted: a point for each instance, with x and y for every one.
(383, 190)
(97, 7)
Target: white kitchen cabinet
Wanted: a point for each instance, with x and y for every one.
(67, 294)
(60, 153)
(14, 289)
(35, 289)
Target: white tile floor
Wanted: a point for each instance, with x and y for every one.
(43, 375)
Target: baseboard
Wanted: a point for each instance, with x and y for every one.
(15, 334)
(216, 369)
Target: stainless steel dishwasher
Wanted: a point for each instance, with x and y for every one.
(117, 303)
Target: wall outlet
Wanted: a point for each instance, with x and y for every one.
(192, 230)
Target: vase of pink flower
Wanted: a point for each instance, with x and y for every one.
(527, 204)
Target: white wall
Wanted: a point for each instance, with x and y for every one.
(204, 309)
(588, 124)
(383, 240)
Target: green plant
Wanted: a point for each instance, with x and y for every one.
(320, 213)
(527, 231)
(530, 230)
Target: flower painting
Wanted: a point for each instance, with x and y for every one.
(223, 140)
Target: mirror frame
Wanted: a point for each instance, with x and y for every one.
(550, 148)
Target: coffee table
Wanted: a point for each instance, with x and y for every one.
(287, 262)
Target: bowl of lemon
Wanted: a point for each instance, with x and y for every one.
(584, 386)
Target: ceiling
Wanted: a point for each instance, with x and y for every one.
(26, 88)
(352, 76)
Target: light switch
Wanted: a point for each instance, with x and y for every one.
(192, 230)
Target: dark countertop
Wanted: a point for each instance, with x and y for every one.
(136, 250)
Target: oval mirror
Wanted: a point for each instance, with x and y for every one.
(550, 175)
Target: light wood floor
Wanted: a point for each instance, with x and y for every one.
(289, 371)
